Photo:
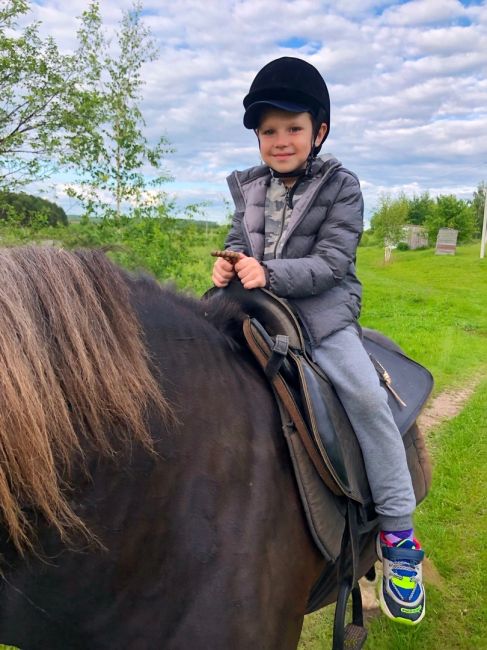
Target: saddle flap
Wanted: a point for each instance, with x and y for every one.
(331, 429)
(411, 381)
(290, 400)
(315, 410)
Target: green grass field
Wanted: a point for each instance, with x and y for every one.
(436, 308)
(452, 526)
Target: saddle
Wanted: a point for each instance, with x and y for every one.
(324, 450)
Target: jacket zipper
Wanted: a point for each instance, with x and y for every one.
(317, 189)
(283, 218)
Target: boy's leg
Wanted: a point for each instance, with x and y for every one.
(347, 365)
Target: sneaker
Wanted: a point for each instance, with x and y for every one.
(402, 596)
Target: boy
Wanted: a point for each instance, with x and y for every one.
(297, 225)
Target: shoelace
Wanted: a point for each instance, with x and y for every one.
(404, 566)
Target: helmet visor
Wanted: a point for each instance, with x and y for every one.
(254, 111)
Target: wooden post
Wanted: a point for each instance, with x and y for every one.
(484, 227)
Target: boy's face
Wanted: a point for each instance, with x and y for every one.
(285, 139)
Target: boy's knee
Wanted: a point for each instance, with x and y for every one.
(369, 398)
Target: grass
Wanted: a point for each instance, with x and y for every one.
(452, 525)
(435, 308)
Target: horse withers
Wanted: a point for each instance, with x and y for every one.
(146, 492)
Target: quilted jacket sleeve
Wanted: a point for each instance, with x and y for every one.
(332, 253)
(235, 239)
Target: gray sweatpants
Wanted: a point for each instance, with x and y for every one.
(346, 363)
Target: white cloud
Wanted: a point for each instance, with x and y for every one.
(419, 12)
(407, 84)
(442, 40)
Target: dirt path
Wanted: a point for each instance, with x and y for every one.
(446, 405)
(443, 407)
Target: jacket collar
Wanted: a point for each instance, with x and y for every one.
(318, 167)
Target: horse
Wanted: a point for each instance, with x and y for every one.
(146, 493)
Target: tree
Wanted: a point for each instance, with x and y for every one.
(36, 84)
(451, 213)
(478, 203)
(420, 208)
(389, 219)
(25, 209)
(113, 158)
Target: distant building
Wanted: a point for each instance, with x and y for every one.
(415, 236)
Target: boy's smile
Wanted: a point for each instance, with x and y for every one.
(286, 139)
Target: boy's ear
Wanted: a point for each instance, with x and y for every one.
(321, 134)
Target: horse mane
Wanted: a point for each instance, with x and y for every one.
(74, 374)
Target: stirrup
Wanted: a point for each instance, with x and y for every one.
(353, 635)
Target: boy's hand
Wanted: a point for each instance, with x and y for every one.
(223, 272)
(251, 274)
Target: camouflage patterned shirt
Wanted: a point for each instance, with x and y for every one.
(277, 214)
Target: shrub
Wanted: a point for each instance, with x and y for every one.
(387, 222)
(367, 239)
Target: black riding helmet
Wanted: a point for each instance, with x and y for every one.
(292, 85)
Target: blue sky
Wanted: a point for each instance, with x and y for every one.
(407, 82)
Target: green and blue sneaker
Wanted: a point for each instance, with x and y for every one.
(402, 596)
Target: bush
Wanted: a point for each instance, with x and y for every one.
(402, 246)
(367, 239)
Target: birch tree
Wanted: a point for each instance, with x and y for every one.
(388, 221)
(37, 84)
(116, 164)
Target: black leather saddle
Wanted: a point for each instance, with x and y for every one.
(326, 456)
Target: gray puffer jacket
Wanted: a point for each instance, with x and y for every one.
(316, 269)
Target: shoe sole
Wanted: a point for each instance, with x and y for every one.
(397, 619)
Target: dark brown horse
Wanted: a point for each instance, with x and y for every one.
(146, 493)
(185, 534)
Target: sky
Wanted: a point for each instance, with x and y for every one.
(407, 82)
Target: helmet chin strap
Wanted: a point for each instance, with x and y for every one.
(297, 173)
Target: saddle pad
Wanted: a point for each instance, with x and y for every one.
(410, 380)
